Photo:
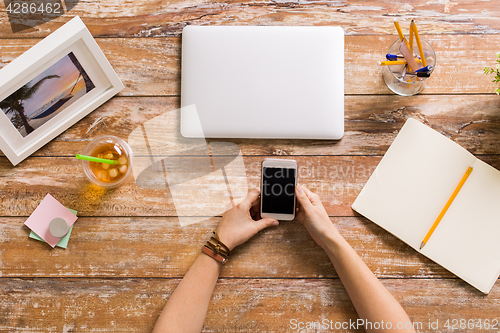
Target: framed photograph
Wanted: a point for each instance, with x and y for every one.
(50, 87)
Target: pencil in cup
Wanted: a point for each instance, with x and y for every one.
(414, 30)
(394, 62)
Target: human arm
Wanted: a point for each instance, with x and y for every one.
(187, 307)
(370, 298)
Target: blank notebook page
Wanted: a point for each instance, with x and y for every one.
(467, 240)
(413, 182)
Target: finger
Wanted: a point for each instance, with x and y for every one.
(233, 203)
(300, 215)
(264, 223)
(298, 207)
(299, 212)
(313, 197)
(251, 197)
(237, 201)
(302, 197)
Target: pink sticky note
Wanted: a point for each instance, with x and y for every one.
(40, 219)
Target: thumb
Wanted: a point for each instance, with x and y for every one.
(264, 223)
(302, 197)
(251, 197)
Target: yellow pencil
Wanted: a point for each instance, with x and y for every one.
(394, 62)
(429, 234)
(411, 35)
(419, 43)
(400, 32)
(409, 53)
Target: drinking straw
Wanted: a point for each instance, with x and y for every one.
(96, 159)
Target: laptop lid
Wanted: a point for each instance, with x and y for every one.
(262, 82)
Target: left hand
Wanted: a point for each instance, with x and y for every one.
(240, 223)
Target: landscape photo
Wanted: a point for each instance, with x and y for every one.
(47, 95)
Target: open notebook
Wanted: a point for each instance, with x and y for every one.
(412, 184)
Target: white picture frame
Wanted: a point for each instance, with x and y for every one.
(52, 55)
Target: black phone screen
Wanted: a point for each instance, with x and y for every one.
(278, 190)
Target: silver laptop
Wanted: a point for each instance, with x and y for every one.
(262, 82)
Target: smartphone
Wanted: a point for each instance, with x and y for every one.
(277, 191)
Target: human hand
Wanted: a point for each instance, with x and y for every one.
(312, 214)
(240, 223)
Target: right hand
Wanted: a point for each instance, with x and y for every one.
(313, 216)
(242, 221)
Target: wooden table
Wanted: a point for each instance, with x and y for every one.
(128, 252)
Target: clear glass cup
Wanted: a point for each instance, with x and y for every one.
(404, 84)
(102, 145)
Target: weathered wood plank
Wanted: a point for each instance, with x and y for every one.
(161, 247)
(337, 179)
(371, 124)
(237, 305)
(151, 66)
(167, 18)
(146, 66)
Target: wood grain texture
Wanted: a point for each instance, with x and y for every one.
(237, 305)
(142, 18)
(337, 179)
(371, 124)
(151, 66)
(131, 245)
(160, 247)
